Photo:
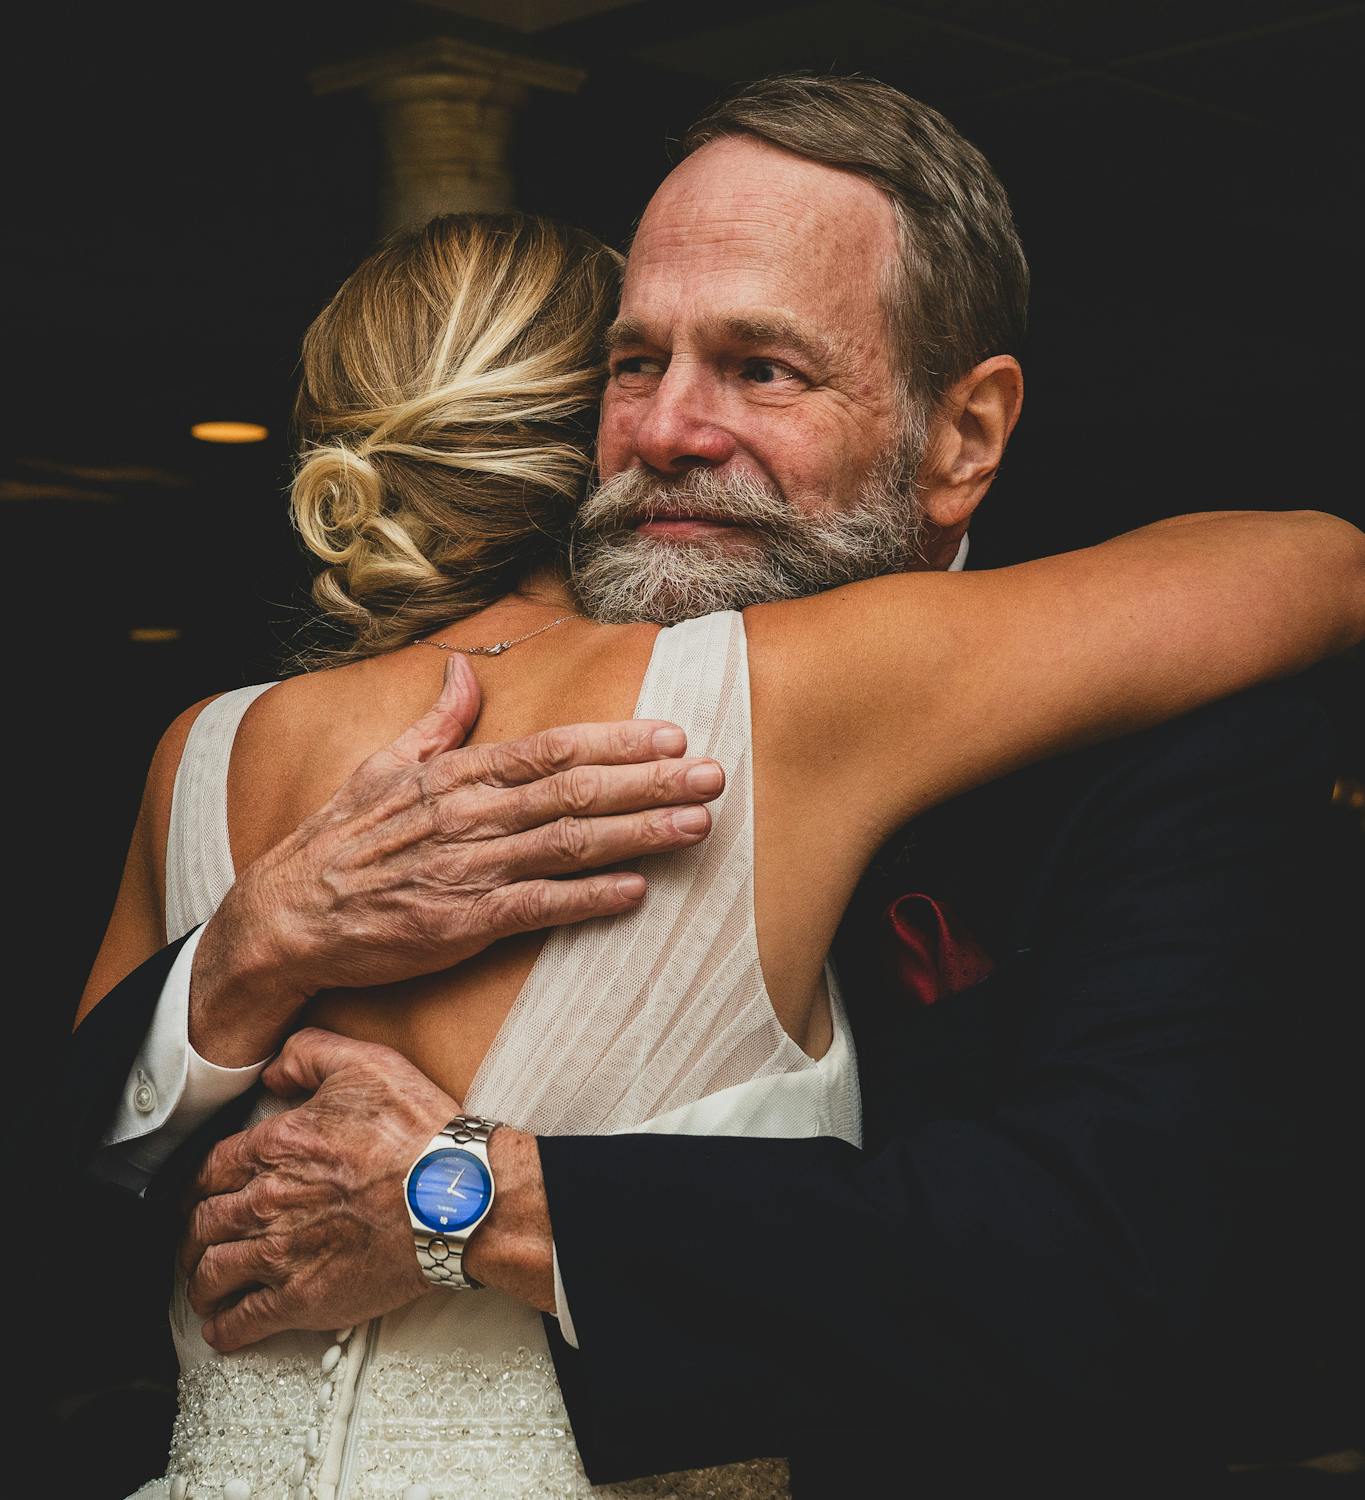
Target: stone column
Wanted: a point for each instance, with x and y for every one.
(446, 110)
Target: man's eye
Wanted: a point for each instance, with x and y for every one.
(768, 372)
(637, 364)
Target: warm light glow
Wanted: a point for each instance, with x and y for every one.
(154, 633)
(229, 432)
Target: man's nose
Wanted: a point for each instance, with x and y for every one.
(680, 430)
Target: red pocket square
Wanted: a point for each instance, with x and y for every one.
(932, 954)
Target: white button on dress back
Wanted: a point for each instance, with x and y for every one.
(179, 1486)
(330, 1358)
(236, 1489)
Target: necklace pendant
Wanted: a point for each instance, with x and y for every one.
(498, 647)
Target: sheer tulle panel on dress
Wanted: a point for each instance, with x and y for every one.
(630, 1017)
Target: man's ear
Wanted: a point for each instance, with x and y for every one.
(967, 438)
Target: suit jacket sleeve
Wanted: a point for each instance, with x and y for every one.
(104, 1048)
(1044, 1258)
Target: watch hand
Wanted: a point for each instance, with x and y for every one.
(455, 1180)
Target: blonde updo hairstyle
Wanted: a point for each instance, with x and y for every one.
(446, 410)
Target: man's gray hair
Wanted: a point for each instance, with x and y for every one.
(960, 291)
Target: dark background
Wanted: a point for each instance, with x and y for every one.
(1186, 178)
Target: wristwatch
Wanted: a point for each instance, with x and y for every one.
(449, 1191)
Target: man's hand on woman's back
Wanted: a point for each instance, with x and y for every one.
(429, 852)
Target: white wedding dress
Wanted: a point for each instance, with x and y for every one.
(654, 1021)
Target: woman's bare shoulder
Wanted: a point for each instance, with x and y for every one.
(334, 705)
(300, 740)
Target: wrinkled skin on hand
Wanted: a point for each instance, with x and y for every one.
(300, 1221)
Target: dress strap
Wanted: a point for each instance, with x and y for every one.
(698, 676)
(199, 866)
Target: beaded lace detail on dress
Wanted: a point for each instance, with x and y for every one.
(448, 1425)
(497, 1428)
(658, 1020)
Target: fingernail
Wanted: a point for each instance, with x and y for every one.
(670, 741)
(630, 887)
(690, 819)
(704, 779)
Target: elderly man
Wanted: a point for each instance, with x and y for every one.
(1077, 1131)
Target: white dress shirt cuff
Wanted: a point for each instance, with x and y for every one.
(562, 1305)
(170, 1090)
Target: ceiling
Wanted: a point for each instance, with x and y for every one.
(527, 16)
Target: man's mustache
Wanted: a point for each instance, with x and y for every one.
(634, 496)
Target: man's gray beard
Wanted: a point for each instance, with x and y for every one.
(620, 576)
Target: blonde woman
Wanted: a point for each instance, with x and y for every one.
(447, 398)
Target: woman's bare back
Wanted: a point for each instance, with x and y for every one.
(298, 742)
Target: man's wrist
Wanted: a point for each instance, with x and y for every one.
(513, 1249)
(242, 997)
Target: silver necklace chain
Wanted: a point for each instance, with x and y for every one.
(498, 647)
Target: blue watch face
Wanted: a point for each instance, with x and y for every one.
(449, 1190)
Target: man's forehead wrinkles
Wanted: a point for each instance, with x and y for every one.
(776, 271)
(756, 234)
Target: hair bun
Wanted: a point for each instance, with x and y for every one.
(447, 406)
(337, 495)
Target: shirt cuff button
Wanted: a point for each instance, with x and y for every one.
(144, 1095)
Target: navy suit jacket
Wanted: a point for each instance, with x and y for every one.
(1095, 1233)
